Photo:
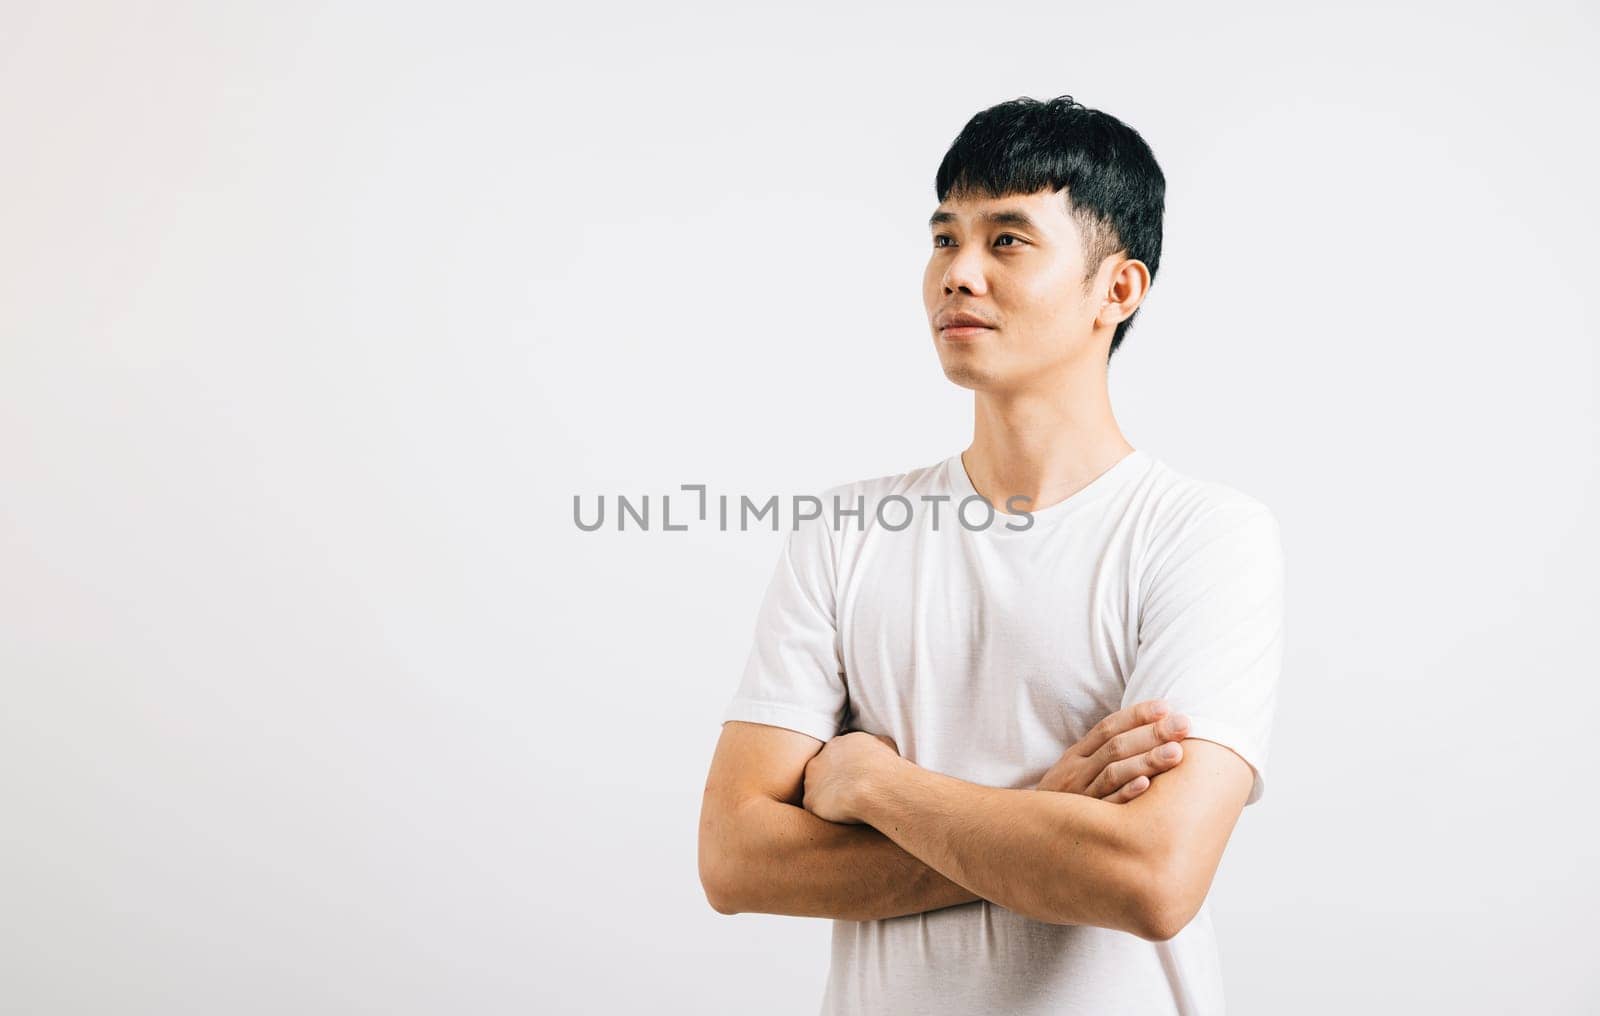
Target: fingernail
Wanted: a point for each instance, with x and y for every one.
(1168, 751)
(1159, 709)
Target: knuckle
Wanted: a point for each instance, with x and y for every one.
(1070, 776)
(1102, 784)
(1116, 774)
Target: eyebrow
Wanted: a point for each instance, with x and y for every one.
(1002, 217)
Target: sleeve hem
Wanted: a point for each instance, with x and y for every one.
(1234, 740)
(822, 726)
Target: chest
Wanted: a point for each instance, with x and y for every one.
(985, 660)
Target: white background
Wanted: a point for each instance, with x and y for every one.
(314, 319)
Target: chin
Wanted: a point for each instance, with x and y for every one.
(966, 376)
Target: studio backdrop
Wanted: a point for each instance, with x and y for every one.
(318, 320)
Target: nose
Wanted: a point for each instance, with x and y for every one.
(964, 272)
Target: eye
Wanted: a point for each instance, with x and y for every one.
(941, 236)
(1007, 236)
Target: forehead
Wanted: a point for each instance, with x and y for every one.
(1045, 210)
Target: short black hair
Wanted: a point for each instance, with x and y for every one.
(1115, 190)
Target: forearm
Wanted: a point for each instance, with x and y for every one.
(777, 858)
(1059, 858)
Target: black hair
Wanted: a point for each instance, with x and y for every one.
(1115, 190)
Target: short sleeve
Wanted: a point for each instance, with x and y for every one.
(1211, 634)
(794, 675)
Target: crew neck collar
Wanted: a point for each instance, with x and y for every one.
(1097, 488)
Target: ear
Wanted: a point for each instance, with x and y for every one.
(1126, 289)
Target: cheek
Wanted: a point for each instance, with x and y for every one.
(1053, 298)
(1044, 291)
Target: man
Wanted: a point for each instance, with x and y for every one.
(946, 737)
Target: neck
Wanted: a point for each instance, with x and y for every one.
(1046, 443)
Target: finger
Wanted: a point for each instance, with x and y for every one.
(1129, 743)
(1128, 791)
(1122, 720)
(1150, 763)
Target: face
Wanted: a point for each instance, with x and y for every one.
(1016, 264)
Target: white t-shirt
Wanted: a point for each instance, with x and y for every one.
(987, 650)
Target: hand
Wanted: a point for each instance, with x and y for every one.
(838, 774)
(1118, 758)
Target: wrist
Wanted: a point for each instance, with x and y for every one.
(880, 781)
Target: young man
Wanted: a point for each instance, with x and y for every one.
(894, 755)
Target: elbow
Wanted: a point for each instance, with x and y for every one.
(1163, 919)
(1138, 895)
(719, 893)
(716, 871)
(720, 903)
(1138, 886)
(1167, 904)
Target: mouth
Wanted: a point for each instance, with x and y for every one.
(959, 332)
(957, 326)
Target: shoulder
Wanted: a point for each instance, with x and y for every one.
(1180, 515)
(910, 483)
(835, 512)
(1173, 501)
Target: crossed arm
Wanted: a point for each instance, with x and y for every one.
(857, 832)
(762, 852)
